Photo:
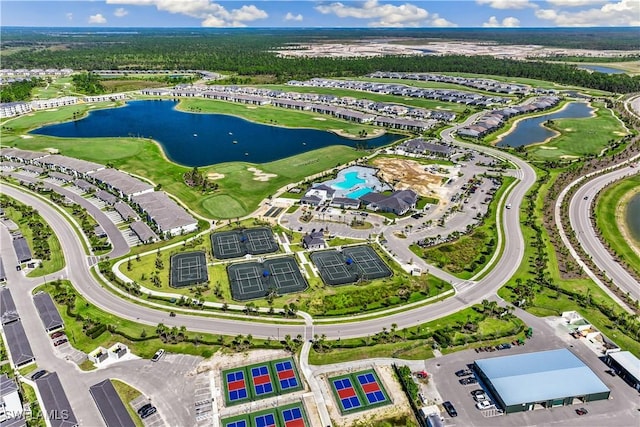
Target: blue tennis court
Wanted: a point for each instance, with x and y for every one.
(240, 423)
(266, 420)
(236, 386)
(286, 375)
(293, 417)
(347, 394)
(371, 388)
(261, 380)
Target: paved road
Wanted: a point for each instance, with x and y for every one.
(466, 296)
(580, 211)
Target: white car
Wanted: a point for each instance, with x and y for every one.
(158, 355)
(484, 404)
(480, 397)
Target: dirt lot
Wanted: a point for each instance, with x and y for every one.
(408, 174)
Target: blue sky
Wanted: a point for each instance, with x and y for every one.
(295, 13)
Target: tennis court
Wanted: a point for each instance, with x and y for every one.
(358, 391)
(238, 243)
(188, 269)
(251, 280)
(333, 268)
(350, 265)
(292, 415)
(260, 381)
(368, 262)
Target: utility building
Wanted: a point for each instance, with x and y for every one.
(545, 379)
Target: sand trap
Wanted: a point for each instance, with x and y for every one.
(251, 107)
(214, 175)
(568, 129)
(52, 150)
(52, 109)
(26, 136)
(258, 175)
(544, 147)
(619, 133)
(320, 119)
(568, 157)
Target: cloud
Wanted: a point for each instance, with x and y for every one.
(97, 19)
(120, 12)
(509, 21)
(210, 13)
(508, 4)
(436, 21)
(622, 13)
(575, 3)
(380, 15)
(291, 17)
(69, 16)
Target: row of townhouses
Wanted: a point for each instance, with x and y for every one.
(112, 186)
(444, 95)
(12, 109)
(493, 120)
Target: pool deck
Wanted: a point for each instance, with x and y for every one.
(371, 182)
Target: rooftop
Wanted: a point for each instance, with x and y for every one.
(110, 405)
(540, 376)
(628, 361)
(55, 401)
(18, 343)
(47, 311)
(8, 311)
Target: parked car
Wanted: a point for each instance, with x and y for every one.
(581, 411)
(463, 373)
(152, 410)
(477, 392)
(480, 397)
(144, 408)
(38, 374)
(448, 406)
(158, 355)
(60, 342)
(469, 380)
(611, 372)
(483, 404)
(57, 335)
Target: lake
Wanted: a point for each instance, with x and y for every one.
(192, 139)
(601, 69)
(530, 131)
(633, 217)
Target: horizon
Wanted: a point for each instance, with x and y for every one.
(374, 14)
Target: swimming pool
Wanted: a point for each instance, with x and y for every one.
(359, 193)
(349, 180)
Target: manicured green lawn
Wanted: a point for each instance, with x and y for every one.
(48, 266)
(609, 213)
(415, 343)
(128, 394)
(580, 137)
(145, 342)
(470, 253)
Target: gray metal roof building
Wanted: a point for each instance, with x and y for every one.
(627, 366)
(122, 182)
(22, 249)
(547, 378)
(8, 311)
(143, 231)
(18, 344)
(47, 311)
(3, 273)
(55, 401)
(110, 405)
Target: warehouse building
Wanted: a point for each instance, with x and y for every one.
(627, 366)
(545, 379)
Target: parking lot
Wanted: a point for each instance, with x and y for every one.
(620, 410)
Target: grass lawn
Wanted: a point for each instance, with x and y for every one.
(62, 86)
(128, 394)
(580, 137)
(318, 299)
(547, 302)
(56, 261)
(470, 253)
(415, 343)
(610, 213)
(144, 344)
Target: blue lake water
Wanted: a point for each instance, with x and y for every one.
(350, 179)
(531, 131)
(633, 217)
(601, 69)
(202, 139)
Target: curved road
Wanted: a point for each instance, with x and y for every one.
(80, 276)
(580, 211)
